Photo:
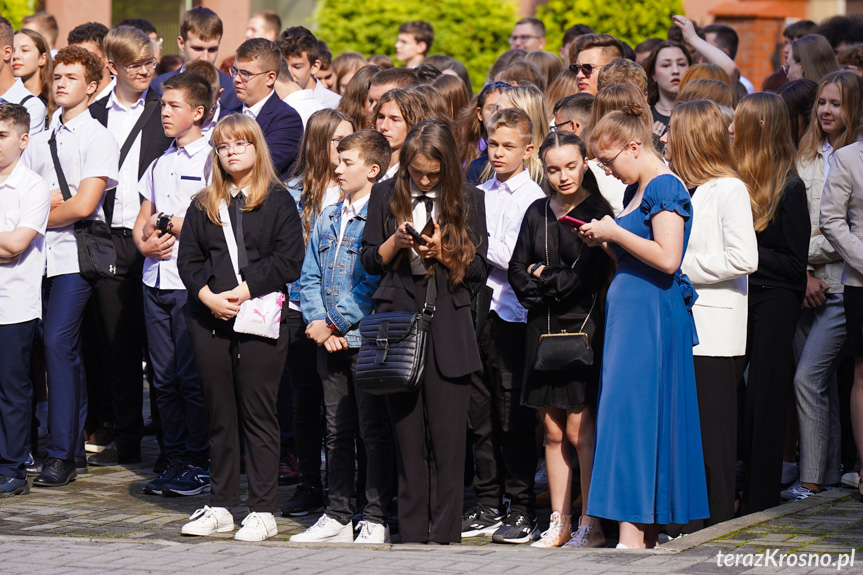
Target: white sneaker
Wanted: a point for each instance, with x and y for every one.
(796, 492)
(209, 520)
(851, 480)
(326, 529)
(372, 533)
(257, 527)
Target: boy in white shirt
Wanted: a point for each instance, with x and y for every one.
(167, 188)
(300, 49)
(507, 196)
(24, 202)
(88, 155)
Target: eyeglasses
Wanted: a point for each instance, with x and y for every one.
(607, 165)
(557, 127)
(522, 38)
(236, 147)
(245, 76)
(586, 69)
(148, 66)
(785, 69)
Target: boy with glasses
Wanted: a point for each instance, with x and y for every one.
(528, 34)
(254, 72)
(130, 112)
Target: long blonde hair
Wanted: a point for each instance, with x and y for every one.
(530, 100)
(850, 101)
(244, 128)
(700, 148)
(764, 151)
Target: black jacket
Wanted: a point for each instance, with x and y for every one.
(452, 328)
(283, 131)
(280, 244)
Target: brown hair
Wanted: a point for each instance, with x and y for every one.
(611, 46)
(564, 85)
(521, 73)
(396, 77)
(240, 127)
(616, 97)
(126, 45)
(650, 67)
(381, 60)
(6, 32)
(421, 30)
(374, 150)
(713, 90)
(850, 102)
(270, 18)
(622, 71)
(471, 129)
(435, 141)
(209, 73)
(700, 147)
(44, 21)
(196, 90)
(46, 72)
(202, 22)
(509, 57)
(577, 106)
(851, 57)
(346, 63)
(630, 123)
(78, 55)
(764, 151)
(547, 62)
(263, 50)
(454, 93)
(815, 55)
(313, 162)
(296, 40)
(354, 101)
(17, 115)
(514, 119)
(705, 71)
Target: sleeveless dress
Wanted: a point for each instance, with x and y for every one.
(649, 466)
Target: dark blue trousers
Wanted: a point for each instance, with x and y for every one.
(181, 405)
(63, 300)
(16, 396)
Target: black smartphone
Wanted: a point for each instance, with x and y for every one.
(415, 234)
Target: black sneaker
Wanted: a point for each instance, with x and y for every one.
(518, 527)
(480, 520)
(191, 480)
(155, 486)
(304, 500)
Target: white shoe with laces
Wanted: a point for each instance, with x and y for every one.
(796, 492)
(372, 533)
(326, 530)
(257, 526)
(208, 521)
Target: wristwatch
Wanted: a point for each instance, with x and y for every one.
(163, 223)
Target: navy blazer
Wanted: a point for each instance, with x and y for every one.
(228, 99)
(283, 130)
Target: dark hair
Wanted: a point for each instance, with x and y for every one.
(675, 34)
(537, 24)
(202, 22)
(398, 77)
(799, 97)
(421, 30)
(435, 141)
(726, 38)
(575, 31)
(426, 73)
(611, 46)
(799, 29)
(90, 32)
(296, 40)
(373, 147)
(559, 140)
(521, 73)
(581, 103)
(7, 33)
(353, 102)
(647, 45)
(841, 30)
(195, 88)
(17, 115)
(77, 55)
(454, 92)
(261, 49)
(650, 66)
(46, 72)
(169, 63)
(141, 24)
(381, 60)
(325, 55)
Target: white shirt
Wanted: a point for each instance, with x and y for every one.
(827, 154)
(390, 174)
(25, 201)
(331, 196)
(121, 120)
(750, 88)
(505, 205)
(304, 102)
(326, 97)
(207, 129)
(16, 95)
(420, 217)
(86, 149)
(610, 187)
(254, 110)
(170, 182)
(106, 91)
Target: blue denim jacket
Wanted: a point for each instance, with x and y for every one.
(334, 287)
(295, 187)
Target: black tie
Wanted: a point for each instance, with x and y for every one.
(242, 258)
(429, 203)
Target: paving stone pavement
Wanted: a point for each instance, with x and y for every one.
(104, 523)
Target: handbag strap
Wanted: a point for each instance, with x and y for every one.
(431, 297)
(230, 238)
(548, 262)
(61, 177)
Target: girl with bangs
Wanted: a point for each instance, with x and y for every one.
(765, 161)
(721, 253)
(818, 344)
(239, 372)
(428, 424)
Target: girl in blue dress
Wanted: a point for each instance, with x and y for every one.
(648, 468)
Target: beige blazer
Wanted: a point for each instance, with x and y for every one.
(841, 218)
(721, 253)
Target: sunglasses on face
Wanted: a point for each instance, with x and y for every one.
(586, 69)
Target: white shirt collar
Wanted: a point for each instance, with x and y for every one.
(253, 111)
(72, 124)
(113, 102)
(235, 190)
(512, 184)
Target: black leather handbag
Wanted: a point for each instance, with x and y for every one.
(394, 348)
(559, 351)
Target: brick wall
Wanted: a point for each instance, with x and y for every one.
(760, 38)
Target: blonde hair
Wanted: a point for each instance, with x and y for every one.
(764, 151)
(850, 101)
(616, 97)
(630, 123)
(713, 90)
(531, 101)
(700, 147)
(239, 127)
(126, 45)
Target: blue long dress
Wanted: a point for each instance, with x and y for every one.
(648, 466)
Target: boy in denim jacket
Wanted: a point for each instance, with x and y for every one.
(335, 293)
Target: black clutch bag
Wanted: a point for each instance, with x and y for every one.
(394, 348)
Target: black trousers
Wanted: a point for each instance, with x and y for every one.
(240, 377)
(429, 437)
(773, 314)
(122, 308)
(503, 429)
(716, 380)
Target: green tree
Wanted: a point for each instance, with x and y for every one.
(629, 21)
(474, 32)
(15, 10)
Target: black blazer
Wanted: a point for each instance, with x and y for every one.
(280, 244)
(228, 98)
(452, 328)
(283, 130)
(154, 142)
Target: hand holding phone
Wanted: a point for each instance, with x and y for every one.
(571, 222)
(415, 234)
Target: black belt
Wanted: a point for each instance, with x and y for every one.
(123, 232)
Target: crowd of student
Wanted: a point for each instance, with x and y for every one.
(630, 247)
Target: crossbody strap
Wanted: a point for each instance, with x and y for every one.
(58, 169)
(548, 262)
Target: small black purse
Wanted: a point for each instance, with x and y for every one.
(394, 348)
(559, 351)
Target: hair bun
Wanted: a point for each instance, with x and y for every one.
(633, 110)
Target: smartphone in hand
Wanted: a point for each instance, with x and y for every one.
(415, 234)
(571, 222)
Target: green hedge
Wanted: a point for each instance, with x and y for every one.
(15, 10)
